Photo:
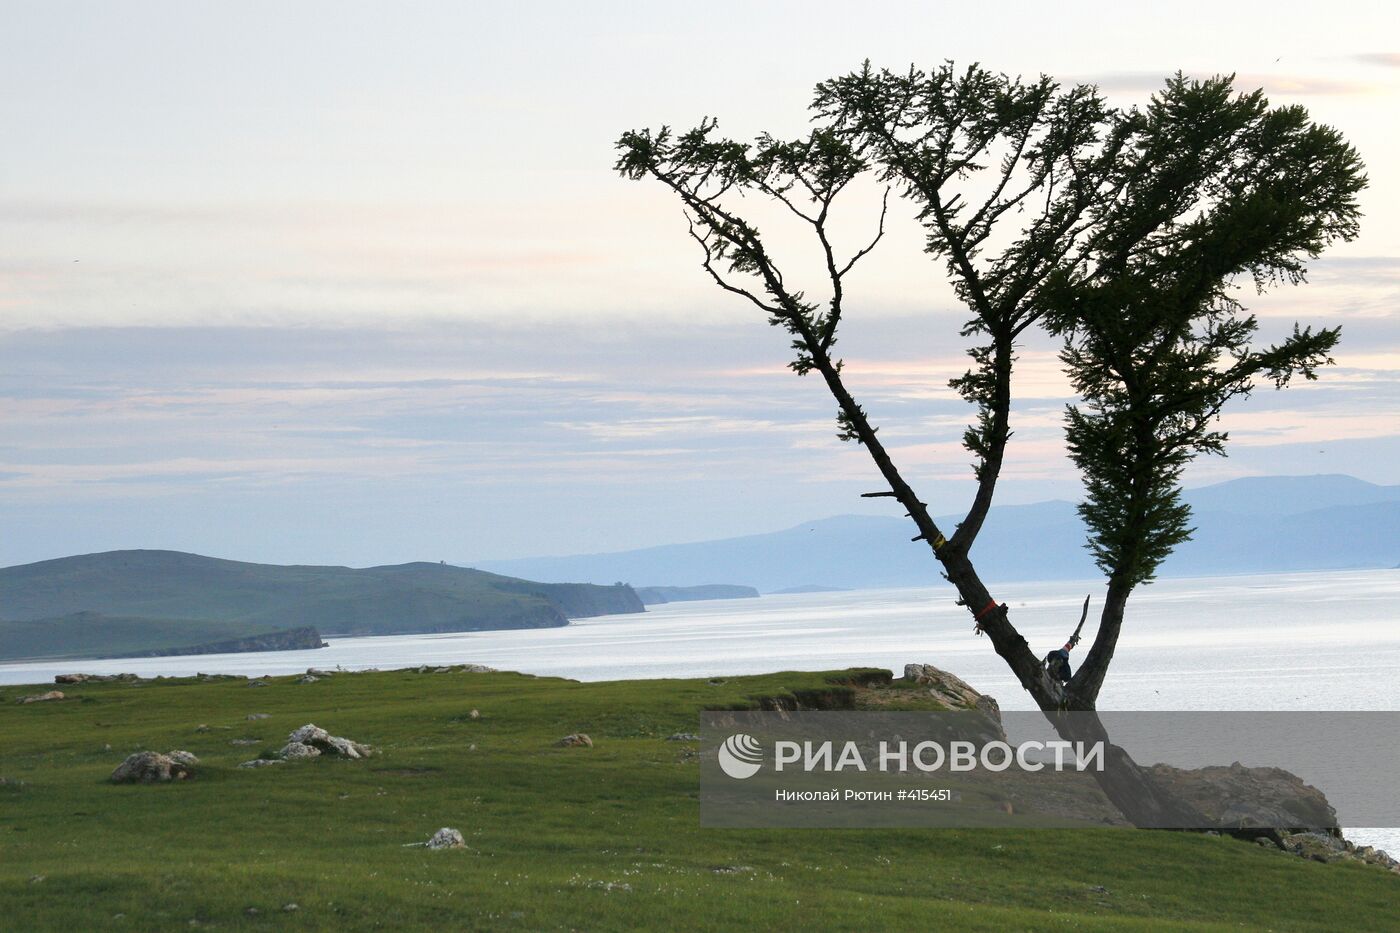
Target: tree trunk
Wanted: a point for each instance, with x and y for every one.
(1126, 785)
(1132, 790)
(1074, 714)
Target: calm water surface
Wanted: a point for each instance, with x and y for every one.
(1279, 641)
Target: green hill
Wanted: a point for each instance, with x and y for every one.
(91, 634)
(132, 601)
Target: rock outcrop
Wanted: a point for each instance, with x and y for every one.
(294, 750)
(155, 768)
(95, 678)
(951, 690)
(1327, 847)
(311, 740)
(983, 720)
(1237, 797)
(292, 639)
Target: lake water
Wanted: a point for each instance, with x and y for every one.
(1304, 641)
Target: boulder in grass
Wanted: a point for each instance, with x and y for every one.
(42, 697)
(324, 743)
(155, 768)
(294, 750)
(574, 740)
(261, 762)
(309, 734)
(183, 758)
(346, 748)
(447, 838)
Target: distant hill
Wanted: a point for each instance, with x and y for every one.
(91, 634)
(133, 601)
(1285, 495)
(658, 595)
(1249, 525)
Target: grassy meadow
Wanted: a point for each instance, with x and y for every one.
(557, 838)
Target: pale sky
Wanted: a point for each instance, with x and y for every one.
(355, 283)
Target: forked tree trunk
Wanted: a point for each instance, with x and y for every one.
(1073, 715)
(1141, 800)
(1125, 784)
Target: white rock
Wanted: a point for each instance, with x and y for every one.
(144, 768)
(294, 750)
(309, 734)
(182, 757)
(447, 838)
(344, 747)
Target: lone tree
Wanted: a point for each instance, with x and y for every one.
(1122, 232)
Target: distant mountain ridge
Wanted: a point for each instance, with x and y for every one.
(129, 601)
(1249, 525)
(660, 595)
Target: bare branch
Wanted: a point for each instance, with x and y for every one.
(879, 234)
(708, 266)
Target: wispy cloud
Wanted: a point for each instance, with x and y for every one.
(1389, 59)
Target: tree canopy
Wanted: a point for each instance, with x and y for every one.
(1125, 233)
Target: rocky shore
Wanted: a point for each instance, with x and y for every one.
(292, 639)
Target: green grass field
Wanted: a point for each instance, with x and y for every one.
(593, 839)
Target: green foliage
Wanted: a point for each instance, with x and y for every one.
(1209, 188)
(804, 175)
(933, 135)
(1123, 232)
